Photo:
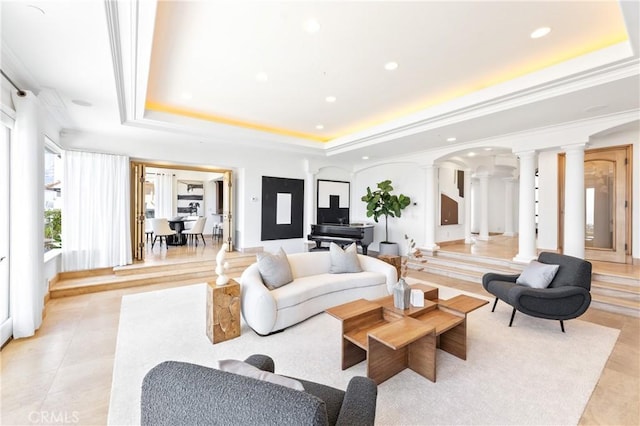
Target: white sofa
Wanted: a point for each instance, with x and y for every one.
(312, 290)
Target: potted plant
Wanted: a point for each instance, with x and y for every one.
(382, 202)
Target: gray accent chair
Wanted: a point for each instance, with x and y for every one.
(179, 393)
(567, 296)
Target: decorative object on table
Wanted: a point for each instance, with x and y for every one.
(221, 265)
(382, 203)
(417, 298)
(402, 294)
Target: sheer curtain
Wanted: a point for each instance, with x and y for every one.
(96, 231)
(164, 195)
(26, 244)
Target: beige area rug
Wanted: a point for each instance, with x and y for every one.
(530, 373)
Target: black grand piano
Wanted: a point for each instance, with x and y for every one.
(342, 235)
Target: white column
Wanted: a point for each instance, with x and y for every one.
(508, 207)
(484, 206)
(467, 207)
(527, 225)
(430, 208)
(309, 204)
(574, 208)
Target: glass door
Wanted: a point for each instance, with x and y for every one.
(5, 313)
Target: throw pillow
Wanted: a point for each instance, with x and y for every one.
(537, 275)
(248, 370)
(344, 261)
(274, 269)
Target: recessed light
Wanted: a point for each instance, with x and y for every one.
(488, 149)
(365, 157)
(319, 127)
(262, 76)
(471, 154)
(311, 26)
(451, 139)
(540, 32)
(81, 102)
(330, 99)
(390, 66)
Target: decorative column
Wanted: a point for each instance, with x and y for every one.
(574, 208)
(527, 214)
(467, 207)
(508, 207)
(483, 178)
(309, 191)
(430, 208)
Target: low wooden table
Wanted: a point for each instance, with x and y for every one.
(392, 339)
(223, 311)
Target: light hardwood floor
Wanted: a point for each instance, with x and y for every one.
(63, 373)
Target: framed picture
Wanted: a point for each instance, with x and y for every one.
(333, 202)
(282, 208)
(190, 198)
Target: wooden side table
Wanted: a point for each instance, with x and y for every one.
(395, 261)
(223, 311)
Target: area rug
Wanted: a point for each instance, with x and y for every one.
(531, 373)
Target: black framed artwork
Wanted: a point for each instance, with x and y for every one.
(333, 201)
(282, 208)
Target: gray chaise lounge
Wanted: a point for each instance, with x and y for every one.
(179, 393)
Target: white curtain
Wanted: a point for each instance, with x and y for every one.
(164, 195)
(27, 217)
(96, 231)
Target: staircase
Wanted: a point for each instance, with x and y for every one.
(609, 292)
(184, 271)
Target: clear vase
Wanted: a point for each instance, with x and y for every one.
(401, 294)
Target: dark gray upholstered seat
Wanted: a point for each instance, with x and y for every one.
(179, 393)
(568, 295)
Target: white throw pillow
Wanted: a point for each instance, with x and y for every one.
(248, 370)
(274, 269)
(537, 275)
(344, 261)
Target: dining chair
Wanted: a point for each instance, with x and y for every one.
(161, 229)
(196, 230)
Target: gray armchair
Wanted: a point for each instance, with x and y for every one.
(566, 297)
(179, 393)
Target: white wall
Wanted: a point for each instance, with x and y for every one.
(407, 179)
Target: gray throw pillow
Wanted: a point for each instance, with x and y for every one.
(248, 370)
(274, 269)
(537, 275)
(344, 261)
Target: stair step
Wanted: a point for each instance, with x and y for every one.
(620, 291)
(616, 304)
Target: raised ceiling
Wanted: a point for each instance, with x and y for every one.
(250, 73)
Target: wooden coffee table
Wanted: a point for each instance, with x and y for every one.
(392, 339)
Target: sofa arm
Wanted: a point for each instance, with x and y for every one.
(492, 276)
(263, 362)
(372, 264)
(257, 304)
(359, 404)
(553, 303)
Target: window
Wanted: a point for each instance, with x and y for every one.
(52, 196)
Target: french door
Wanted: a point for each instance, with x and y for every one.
(6, 329)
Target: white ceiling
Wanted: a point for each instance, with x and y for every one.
(466, 69)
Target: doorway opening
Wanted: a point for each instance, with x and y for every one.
(181, 194)
(607, 185)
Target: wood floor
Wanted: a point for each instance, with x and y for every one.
(63, 373)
